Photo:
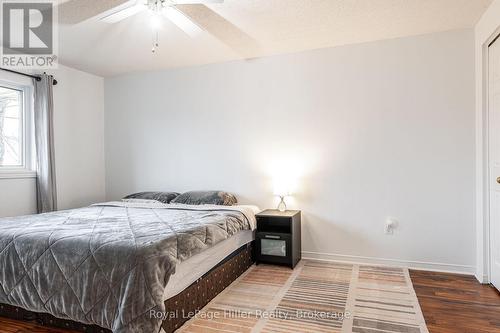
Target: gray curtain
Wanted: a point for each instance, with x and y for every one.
(44, 144)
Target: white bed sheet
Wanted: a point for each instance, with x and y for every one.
(195, 267)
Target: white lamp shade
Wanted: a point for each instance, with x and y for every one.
(282, 187)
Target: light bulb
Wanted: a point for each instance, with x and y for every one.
(155, 22)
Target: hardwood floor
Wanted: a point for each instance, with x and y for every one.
(15, 326)
(451, 304)
(456, 303)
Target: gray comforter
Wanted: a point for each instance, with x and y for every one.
(108, 264)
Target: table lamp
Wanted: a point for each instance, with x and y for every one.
(281, 190)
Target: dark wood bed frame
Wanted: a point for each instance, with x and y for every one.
(189, 301)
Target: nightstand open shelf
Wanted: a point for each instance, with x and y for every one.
(278, 237)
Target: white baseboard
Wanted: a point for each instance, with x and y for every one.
(484, 279)
(418, 265)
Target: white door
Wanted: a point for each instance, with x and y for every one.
(494, 159)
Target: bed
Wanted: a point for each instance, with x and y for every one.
(116, 266)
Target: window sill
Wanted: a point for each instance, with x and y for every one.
(17, 174)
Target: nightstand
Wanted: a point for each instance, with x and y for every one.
(278, 237)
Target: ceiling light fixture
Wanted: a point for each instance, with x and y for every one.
(159, 10)
(155, 22)
(156, 8)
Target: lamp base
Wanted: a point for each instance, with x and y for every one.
(282, 204)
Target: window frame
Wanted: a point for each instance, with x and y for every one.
(27, 167)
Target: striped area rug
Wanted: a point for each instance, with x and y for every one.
(316, 296)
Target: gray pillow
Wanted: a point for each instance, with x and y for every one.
(164, 197)
(206, 198)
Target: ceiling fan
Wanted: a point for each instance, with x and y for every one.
(113, 11)
(191, 16)
(159, 9)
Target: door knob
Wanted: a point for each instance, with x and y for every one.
(498, 180)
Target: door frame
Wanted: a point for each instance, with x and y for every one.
(483, 248)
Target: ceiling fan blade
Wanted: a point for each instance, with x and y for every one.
(221, 29)
(182, 21)
(193, 2)
(119, 14)
(76, 11)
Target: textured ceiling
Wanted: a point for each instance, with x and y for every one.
(239, 29)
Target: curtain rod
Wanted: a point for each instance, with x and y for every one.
(36, 77)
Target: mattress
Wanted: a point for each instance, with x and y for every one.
(195, 267)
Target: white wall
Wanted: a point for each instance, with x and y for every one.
(17, 196)
(370, 130)
(486, 29)
(79, 138)
(79, 146)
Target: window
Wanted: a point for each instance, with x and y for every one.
(15, 134)
(11, 128)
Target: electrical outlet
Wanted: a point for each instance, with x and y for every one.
(390, 224)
